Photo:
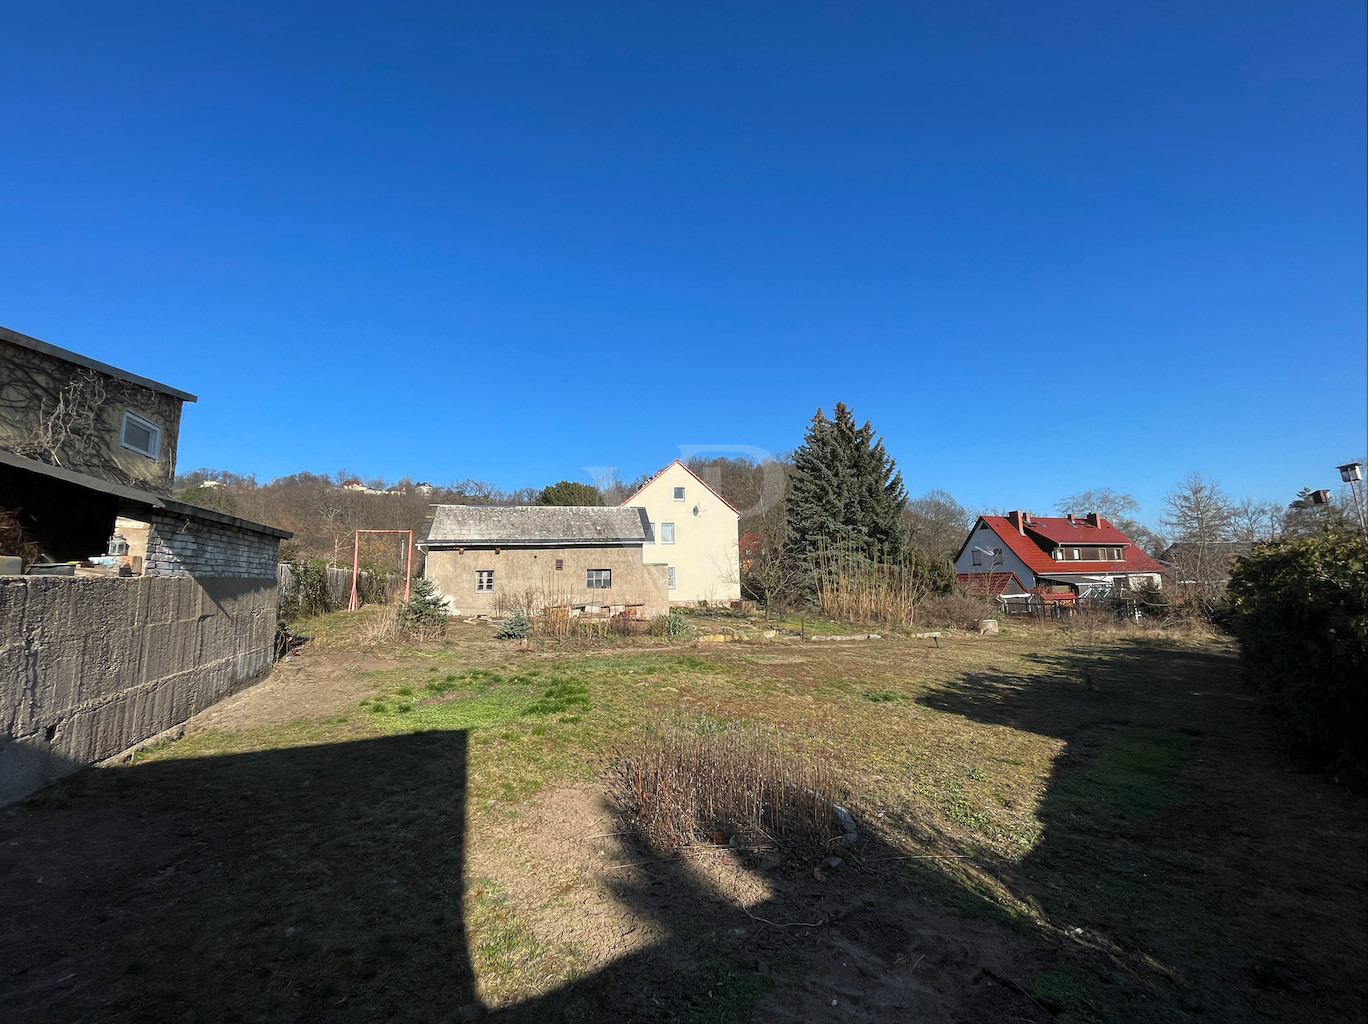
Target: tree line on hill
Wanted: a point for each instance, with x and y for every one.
(839, 489)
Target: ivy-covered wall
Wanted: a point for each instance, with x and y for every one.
(68, 415)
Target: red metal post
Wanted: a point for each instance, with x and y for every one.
(354, 603)
(408, 568)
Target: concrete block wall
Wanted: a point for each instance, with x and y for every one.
(177, 546)
(91, 667)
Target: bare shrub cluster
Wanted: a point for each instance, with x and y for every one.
(702, 782)
(956, 611)
(855, 586)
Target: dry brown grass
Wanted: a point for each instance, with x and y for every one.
(707, 782)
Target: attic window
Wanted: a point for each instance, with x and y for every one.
(140, 436)
(679, 494)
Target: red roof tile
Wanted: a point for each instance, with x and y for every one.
(1057, 529)
(990, 584)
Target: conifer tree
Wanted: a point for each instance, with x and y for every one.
(846, 491)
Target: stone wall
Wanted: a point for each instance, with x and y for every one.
(528, 578)
(91, 667)
(179, 546)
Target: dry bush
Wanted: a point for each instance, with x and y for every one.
(956, 611)
(687, 783)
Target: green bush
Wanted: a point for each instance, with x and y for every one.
(1300, 610)
(672, 625)
(515, 627)
(422, 612)
(307, 594)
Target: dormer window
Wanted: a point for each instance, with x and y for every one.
(140, 436)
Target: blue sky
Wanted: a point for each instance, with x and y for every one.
(1042, 247)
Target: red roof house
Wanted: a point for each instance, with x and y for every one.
(1056, 555)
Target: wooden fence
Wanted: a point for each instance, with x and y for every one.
(339, 584)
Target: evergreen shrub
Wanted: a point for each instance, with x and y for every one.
(1300, 610)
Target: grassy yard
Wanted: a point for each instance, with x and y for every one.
(1097, 821)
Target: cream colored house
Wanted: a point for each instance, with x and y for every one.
(693, 534)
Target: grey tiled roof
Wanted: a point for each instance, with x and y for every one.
(535, 526)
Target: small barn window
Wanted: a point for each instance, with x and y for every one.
(484, 581)
(679, 494)
(560, 563)
(140, 436)
(598, 579)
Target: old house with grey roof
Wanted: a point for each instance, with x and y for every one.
(122, 610)
(491, 560)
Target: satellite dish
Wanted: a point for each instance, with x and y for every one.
(696, 509)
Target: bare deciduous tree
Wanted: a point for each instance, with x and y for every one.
(1200, 514)
(937, 524)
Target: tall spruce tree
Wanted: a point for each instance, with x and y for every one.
(846, 490)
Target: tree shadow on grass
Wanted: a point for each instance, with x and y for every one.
(326, 883)
(1173, 833)
(310, 883)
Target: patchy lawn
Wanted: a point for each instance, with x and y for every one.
(1087, 826)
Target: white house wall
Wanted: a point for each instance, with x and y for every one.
(985, 537)
(704, 554)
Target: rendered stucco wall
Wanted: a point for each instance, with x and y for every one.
(704, 554)
(524, 578)
(39, 392)
(91, 667)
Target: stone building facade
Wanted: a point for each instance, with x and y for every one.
(494, 560)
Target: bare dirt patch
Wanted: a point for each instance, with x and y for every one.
(859, 946)
(313, 683)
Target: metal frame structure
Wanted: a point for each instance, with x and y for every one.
(355, 602)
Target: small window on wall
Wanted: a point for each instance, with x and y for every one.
(667, 533)
(484, 581)
(598, 579)
(560, 564)
(679, 494)
(140, 436)
(670, 577)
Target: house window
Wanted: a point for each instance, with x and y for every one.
(667, 533)
(679, 494)
(560, 564)
(140, 436)
(598, 579)
(1073, 553)
(484, 581)
(670, 577)
(654, 537)
(1116, 554)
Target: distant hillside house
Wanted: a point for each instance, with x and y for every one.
(1059, 557)
(695, 536)
(491, 560)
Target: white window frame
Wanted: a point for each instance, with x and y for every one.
(669, 577)
(153, 451)
(679, 494)
(484, 581)
(670, 527)
(598, 579)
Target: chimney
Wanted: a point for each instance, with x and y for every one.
(1018, 519)
(1092, 519)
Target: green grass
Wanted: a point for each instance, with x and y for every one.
(1116, 828)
